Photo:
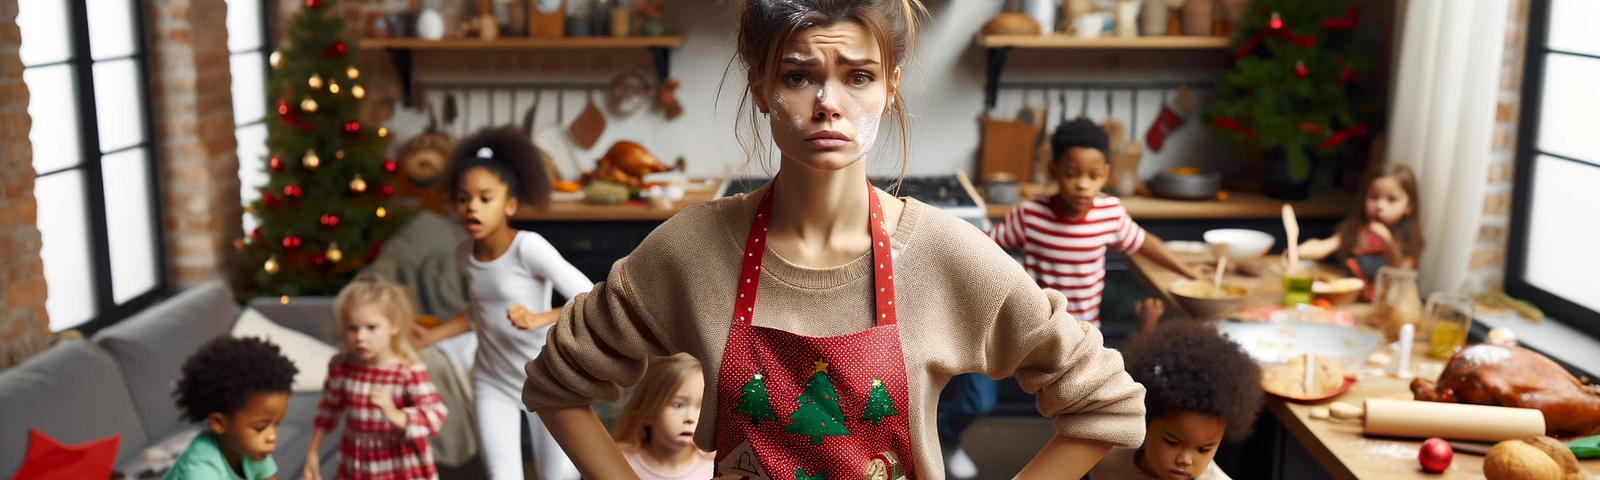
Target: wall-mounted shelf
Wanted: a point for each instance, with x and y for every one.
(999, 47)
(400, 49)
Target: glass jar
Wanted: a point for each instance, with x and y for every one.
(1395, 301)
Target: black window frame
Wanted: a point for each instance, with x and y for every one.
(107, 310)
(266, 10)
(1516, 284)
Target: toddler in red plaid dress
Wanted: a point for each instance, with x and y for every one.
(383, 391)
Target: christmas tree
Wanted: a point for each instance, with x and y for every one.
(327, 205)
(819, 412)
(1295, 89)
(755, 401)
(879, 404)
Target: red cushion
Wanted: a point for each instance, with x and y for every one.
(50, 459)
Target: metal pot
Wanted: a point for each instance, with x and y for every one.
(1186, 186)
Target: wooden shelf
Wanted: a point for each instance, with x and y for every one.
(522, 43)
(1106, 43)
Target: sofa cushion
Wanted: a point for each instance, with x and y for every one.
(309, 355)
(152, 345)
(309, 315)
(73, 392)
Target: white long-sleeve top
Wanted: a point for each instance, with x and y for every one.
(523, 275)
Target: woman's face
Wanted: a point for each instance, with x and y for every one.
(831, 91)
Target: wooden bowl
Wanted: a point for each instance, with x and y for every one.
(1194, 297)
(1343, 291)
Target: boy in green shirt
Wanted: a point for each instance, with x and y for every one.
(239, 388)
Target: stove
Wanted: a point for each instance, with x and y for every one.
(947, 192)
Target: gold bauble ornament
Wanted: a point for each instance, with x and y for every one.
(276, 59)
(271, 266)
(333, 253)
(339, 154)
(358, 92)
(382, 213)
(383, 132)
(308, 105)
(358, 185)
(333, 87)
(315, 81)
(311, 160)
(352, 73)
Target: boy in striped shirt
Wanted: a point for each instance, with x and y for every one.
(1063, 239)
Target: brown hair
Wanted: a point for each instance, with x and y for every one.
(1408, 233)
(390, 299)
(661, 380)
(766, 25)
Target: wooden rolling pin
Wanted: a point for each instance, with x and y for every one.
(1453, 421)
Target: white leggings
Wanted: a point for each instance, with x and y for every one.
(501, 437)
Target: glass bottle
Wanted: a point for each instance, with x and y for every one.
(1395, 301)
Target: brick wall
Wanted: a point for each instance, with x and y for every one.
(1487, 270)
(193, 104)
(24, 325)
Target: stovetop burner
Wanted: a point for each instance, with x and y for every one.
(943, 192)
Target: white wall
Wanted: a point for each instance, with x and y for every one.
(943, 87)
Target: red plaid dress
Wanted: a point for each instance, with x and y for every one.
(372, 448)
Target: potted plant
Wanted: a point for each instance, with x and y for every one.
(1295, 90)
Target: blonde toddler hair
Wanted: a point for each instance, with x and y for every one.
(390, 299)
(661, 380)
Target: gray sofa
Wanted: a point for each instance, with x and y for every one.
(121, 382)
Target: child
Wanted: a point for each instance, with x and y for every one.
(827, 313)
(1384, 231)
(1063, 239)
(656, 428)
(380, 386)
(239, 388)
(1200, 389)
(510, 274)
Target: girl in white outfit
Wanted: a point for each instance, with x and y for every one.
(510, 274)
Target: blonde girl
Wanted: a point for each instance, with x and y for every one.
(656, 428)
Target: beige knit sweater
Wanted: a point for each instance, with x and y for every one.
(964, 306)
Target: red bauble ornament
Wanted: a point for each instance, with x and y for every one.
(275, 163)
(336, 50)
(313, 3)
(255, 235)
(352, 127)
(1300, 70)
(390, 166)
(269, 200)
(291, 241)
(291, 191)
(329, 220)
(386, 190)
(283, 107)
(1275, 23)
(319, 259)
(1435, 455)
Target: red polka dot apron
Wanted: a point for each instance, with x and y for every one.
(807, 408)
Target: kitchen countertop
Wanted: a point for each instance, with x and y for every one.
(1324, 203)
(1339, 447)
(581, 211)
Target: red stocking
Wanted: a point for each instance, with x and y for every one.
(1165, 123)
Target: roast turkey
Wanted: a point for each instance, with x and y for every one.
(1517, 377)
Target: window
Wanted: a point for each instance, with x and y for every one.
(1554, 226)
(247, 62)
(92, 150)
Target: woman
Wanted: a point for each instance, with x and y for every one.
(789, 295)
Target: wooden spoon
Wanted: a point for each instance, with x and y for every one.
(1291, 226)
(1222, 264)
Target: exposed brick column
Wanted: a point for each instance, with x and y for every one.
(1487, 270)
(193, 104)
(24, 325)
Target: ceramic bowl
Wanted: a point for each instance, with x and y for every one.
(1243, 245)
(1277, 342)
(1194, 297)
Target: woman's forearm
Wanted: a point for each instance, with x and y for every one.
(586, 442)
(1065, 457)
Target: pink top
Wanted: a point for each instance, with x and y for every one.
(701, 470)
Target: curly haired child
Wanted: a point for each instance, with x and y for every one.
(238, 388)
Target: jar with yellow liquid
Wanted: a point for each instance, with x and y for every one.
(1396, 302)
(1446, 324)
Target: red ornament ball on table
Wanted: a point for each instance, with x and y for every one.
(390, 166)
(1435, 455)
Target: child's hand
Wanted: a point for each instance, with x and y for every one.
(420, 337)
(1148, 313)
(1381, 230)
(313, 471)
(383, 401)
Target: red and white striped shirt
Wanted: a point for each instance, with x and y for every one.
(372, 448)
(1069, 255)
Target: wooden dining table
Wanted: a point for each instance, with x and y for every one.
(1338, 446)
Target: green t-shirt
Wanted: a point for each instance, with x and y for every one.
(203, 460)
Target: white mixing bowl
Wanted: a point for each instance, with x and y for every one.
(1243, 245)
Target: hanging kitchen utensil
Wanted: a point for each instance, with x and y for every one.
(589, 125)
(1031, 114)
(1007, 147)
(528, 122)
(450, 110)
(627, 93)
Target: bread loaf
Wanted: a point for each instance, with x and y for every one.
(1535, 458)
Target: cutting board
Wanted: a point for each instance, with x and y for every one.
(1007, 148)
